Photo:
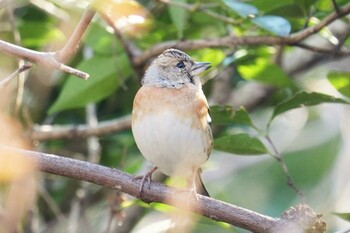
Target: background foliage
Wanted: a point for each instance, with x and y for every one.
(265, 101)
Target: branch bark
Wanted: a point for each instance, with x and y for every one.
(49, 132)
(208, 207)
(54, 59)
(230, 41)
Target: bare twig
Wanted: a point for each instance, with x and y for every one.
(280, 160)
(121, 181)
(54, 59)
(73, 42)
(330, 52)
(49, 132)
(230, 41)
(23, 68)
(45, 58)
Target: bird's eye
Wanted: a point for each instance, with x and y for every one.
(180, 65)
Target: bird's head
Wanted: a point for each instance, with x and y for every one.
(174, 69)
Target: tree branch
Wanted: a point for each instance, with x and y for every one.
(49, 132)
(231, 41)
(21, 69)
(121, 181)
(54, 59)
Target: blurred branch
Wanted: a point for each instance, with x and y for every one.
(45, 58)
(23, 68)
(230, 41)
(276, 155)
(54, 59)
(49, 132)
(296, 218)
(73, 42)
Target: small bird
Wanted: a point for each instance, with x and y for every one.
(170, 118)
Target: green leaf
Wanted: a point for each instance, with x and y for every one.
(102, 82)
(179, 17)
(305, 99)
(243, 9)
(226, 115)
(275, 24)
(36, 34)
(345, 216)
(241, 144)
(341, 82)
(268, 5)
(265, 72)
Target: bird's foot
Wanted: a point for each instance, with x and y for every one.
(145, 178)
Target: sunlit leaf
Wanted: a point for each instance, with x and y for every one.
(102, 82)
(226, 115)
(264, 71)
(345, 216)
(275, 24)
(341, 82)
(128, 16)
(240, 144)
(243, 9)
(179, 17)
(305, 99)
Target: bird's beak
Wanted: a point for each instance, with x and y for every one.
(199, 67)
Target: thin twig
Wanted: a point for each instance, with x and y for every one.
(45, 58)
(23, 68)
(336, 7)
(280, 160)
(54, 59)
(73, 42)
(330, 52)
(49, 132)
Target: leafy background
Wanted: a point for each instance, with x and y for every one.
(300, 107)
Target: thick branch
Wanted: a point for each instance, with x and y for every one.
(231, 41)
(297, 219)
(49, 132)
(121, 181)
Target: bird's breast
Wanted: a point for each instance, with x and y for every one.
(170, 128)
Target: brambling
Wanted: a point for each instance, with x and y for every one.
(170, 118)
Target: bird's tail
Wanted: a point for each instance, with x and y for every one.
(199, 184)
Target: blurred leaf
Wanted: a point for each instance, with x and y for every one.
(226, 115)
(275, 24)
(264, 183)
(240, 144)
(100, 40)
(341, 82)
(37, 34)
(305, 99)
(268, 5)
(305, 4)
(102, 82)
(345, 216)
(179, 17)
(243, 9)
(265, 72)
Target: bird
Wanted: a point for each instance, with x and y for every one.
(171, 119)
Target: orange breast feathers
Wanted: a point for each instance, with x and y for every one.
(186, 102)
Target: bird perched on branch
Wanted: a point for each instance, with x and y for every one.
(170, 118)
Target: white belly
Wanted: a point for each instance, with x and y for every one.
(172, 145)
